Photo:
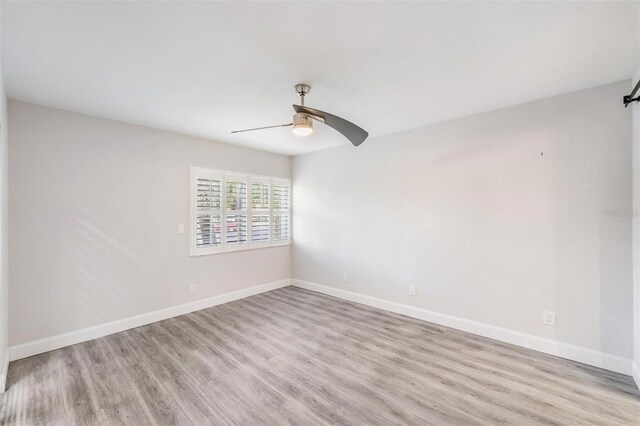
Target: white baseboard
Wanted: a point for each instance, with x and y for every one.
(5, 371)
(541, 344)
(636, 374)
(61, 340)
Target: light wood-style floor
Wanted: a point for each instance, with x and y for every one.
(295, 356)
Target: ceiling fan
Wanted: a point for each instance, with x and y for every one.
(304, 116)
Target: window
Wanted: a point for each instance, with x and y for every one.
(233, 211)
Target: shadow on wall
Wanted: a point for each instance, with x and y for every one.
(111, 270)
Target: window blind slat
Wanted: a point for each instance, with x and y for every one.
(208, 194)
(281, 227)
(236, 195)
(260, 228)
(280, 197)
(260, 196)
(208, 230)
(237, 229)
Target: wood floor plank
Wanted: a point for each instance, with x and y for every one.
(127, 412)
(194, 402)
(182, 352)
(151, 354)
(243, 397)
(159, 406)
(117, 397)
(79, 390)
(293, 356)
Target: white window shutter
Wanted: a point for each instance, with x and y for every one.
(281, 211)
(206, 212)
(233, 211)
(260, 211)
(236, 212)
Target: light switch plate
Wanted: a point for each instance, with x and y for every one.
(181, 228)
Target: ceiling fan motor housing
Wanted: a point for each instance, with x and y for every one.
(302, 124)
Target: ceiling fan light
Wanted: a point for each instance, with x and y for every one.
(302, 130)
(302, 125)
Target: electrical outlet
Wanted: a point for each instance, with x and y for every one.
(549, 318)
(413, 290)
(181, 228)
(345, 277)
(192, 289)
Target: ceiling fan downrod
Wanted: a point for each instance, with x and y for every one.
(303, 90)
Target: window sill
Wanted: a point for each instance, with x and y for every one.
(272, 245)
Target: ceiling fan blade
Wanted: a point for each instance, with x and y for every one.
(355, 134)
(262, 128)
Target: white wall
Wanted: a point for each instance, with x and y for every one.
(94, 211)
(4, 234)
(495, 217)
(635, 109)
(636, 234)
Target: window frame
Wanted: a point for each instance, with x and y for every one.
(224, 247)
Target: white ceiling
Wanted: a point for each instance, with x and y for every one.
(205, 69)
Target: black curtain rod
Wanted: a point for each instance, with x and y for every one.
(630, 98)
